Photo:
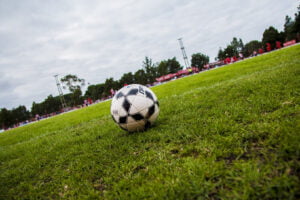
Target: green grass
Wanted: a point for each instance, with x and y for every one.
(228, 133)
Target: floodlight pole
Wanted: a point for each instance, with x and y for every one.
(61, 95)
(185, 58)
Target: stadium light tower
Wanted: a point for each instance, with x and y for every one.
(61, 95)
(185, 58)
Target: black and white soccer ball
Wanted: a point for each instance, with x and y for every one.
(134, 108)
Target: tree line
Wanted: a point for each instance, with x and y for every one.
(145, 75)
(270, 36)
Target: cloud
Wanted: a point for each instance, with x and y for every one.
(100, 39)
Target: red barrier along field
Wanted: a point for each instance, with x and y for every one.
(289, 43)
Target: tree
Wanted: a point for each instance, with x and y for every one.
(127, 78)
(49, 105)
(140, 77)
(8, 118)
(150, 70)
(296, 27)
(74, 84)
(20, 114)
(289, 32)
(251, 46)
(240, 46)
(95, 92)
(230, 51)
(173, 65)
(36, 109)
(271, 35)
(109, 84)
(233, 49)
(292, 27)
(77, 97)
(221, 54)
(167, 67)
(199, 60)
(237, 46)
(162, 68)
(69, 99)
(5, 118)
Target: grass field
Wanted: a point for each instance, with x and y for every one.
(228, 133)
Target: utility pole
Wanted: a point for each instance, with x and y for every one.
(185, 58)
(61, 95)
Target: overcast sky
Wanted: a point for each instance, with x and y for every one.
(99, 39)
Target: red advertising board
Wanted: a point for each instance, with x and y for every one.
(184, 71)
(166, 77)
(179, 73)
(289, 43)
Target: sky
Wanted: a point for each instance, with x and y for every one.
(98, 39)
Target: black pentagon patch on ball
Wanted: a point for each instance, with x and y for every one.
(137, 116)
(126, 105)
(119, 95)
(147, 125)
(157, 103)
(151, 111)
(149, 95)
(123, 120)
(133, 91)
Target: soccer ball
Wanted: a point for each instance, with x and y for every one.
(134, 108)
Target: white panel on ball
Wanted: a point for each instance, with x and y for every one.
(142, 102)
